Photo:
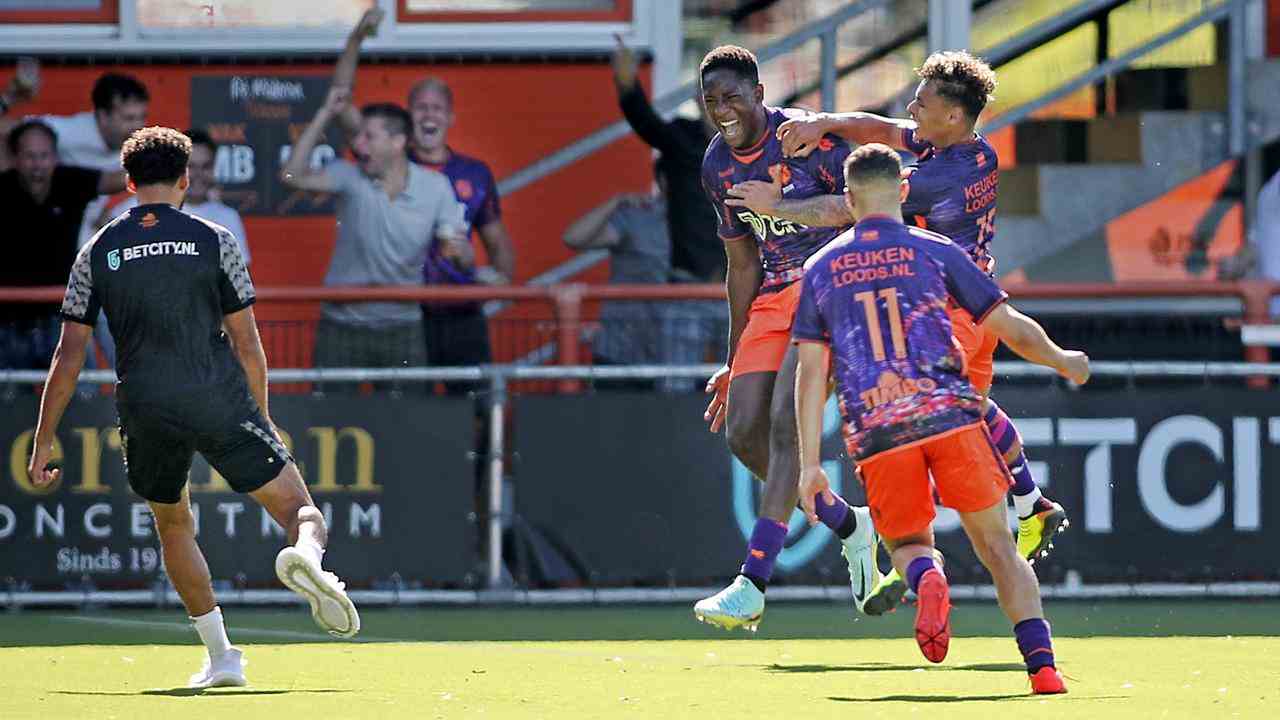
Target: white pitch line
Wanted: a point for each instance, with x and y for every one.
(238, 632)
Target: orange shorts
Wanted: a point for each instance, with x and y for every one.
(978, 345)
(967, 471)
(765, 340)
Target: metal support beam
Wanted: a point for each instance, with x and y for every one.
(497, 479)
(829, 70)
(950, 22)
(1236, 121)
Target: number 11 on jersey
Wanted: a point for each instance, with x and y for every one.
(890, 296)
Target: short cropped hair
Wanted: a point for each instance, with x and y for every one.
(155, 155)
(113, 86)
(202, 137)
(15, 135)
(432, 83)
(396, 118)
(873, 162)
(961, 78)
(731, 57)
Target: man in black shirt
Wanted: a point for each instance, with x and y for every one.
(42, 203)
(169, 283)
(697, 254)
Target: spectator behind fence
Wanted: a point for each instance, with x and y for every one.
(92, 139)
(697, 254)
(389, 211)
(456, 333)
(632, 229)
(200, 199)
(42, 202)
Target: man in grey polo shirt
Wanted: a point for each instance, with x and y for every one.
(389, 210)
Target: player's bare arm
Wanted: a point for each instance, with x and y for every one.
(742, 284)
(1025, 337)
(242, 330)
(297, 172)
(811, 398)
(800, 136)
(64, 371)
(344, 74)
(766, 198)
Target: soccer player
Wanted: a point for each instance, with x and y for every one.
(753, 392)
(953, 192)
(192, 377)
(873, 312)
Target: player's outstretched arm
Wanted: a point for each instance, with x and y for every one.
(242, 330)
(811, 397)
(297, 172)
(800, 136)
(64, 371)
(1026, 338)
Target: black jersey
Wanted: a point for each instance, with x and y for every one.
(165, 279)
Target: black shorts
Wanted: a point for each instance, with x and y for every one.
(159, 443)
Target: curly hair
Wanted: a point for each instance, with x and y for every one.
(961, 78)
(155, 155)
(731, 57)
(872, 162)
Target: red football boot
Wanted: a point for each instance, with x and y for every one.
(1047, 681)
(933, 616)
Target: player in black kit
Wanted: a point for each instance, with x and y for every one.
(192, 378)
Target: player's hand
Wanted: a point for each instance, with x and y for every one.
(800, 136)
(1074, 366)
(756, 195)
(718, 388)
(814, 482)
(368, 25)
(26, 80)
(624, 65)
(39, 469)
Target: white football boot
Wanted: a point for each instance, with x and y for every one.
(330, 607)
(739, 605)
(859, 550)
(226, 671)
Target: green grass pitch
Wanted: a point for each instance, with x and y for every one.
(1123, 660)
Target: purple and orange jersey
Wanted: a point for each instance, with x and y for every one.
(953, 192)
(475, 188)
(784, 245)
(877, 295)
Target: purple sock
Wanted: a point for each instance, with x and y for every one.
(766, 543)
(917, 569)
(1004, 435)
(838, 516)
(1034, 642)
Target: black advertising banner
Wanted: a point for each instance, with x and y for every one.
(392, 477)
(256, 119)
(1162, 484)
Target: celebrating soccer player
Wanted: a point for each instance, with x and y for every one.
(953, 192)
(874, 312)
(169, 284)
(753, 392)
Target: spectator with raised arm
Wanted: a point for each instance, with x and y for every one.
(697, 254)
(456, 333)
(389, 213)
(42, 202)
